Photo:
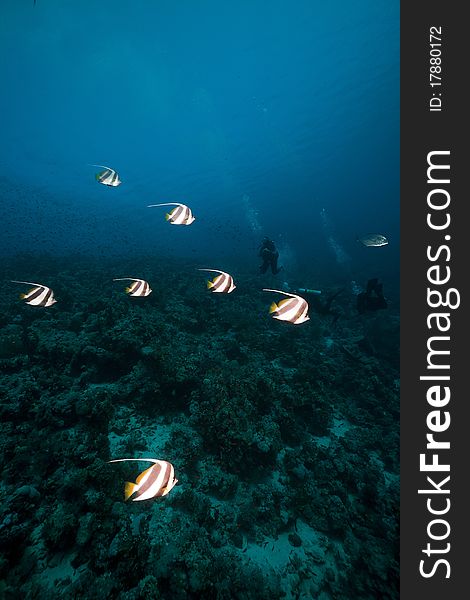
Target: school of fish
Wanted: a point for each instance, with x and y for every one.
(159, 479)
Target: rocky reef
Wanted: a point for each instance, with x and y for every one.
(284, 439)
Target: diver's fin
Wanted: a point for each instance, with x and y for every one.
(273, 308)
(129, 489)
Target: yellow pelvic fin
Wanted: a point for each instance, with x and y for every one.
(129, 489)
(273, 308)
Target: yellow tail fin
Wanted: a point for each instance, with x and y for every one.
(167, 216)
(22, 296)
(210, 285)
(129, 489)
(273, 308)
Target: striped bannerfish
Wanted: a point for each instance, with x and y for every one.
(138, 288)
(181, 215)
(107, 177)
(154, 482)
(293, 309)
(40, 295)
(221, 283)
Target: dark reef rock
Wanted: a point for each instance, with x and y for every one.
(283, 441)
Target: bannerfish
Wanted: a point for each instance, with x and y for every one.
(107, 177)
(293, 309)
(373, 240)
(181, 215)
(40, 295)
(138, 288)
(154, 482)
(221, 283)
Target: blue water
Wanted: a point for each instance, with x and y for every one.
(295, 105)
(274, 118)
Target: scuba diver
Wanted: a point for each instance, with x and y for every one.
(373, 298)
(269, 254)
(323, 307)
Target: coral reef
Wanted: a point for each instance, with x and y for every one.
(284, 440)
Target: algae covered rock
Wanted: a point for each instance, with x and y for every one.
(11, 341)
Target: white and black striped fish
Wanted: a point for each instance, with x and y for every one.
(138, 287)
(154, 482)
(107, 177)
(40, 295)
(221, 283)
(293, 309)
(181, 215)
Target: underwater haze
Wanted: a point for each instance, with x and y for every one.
(279, 414)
